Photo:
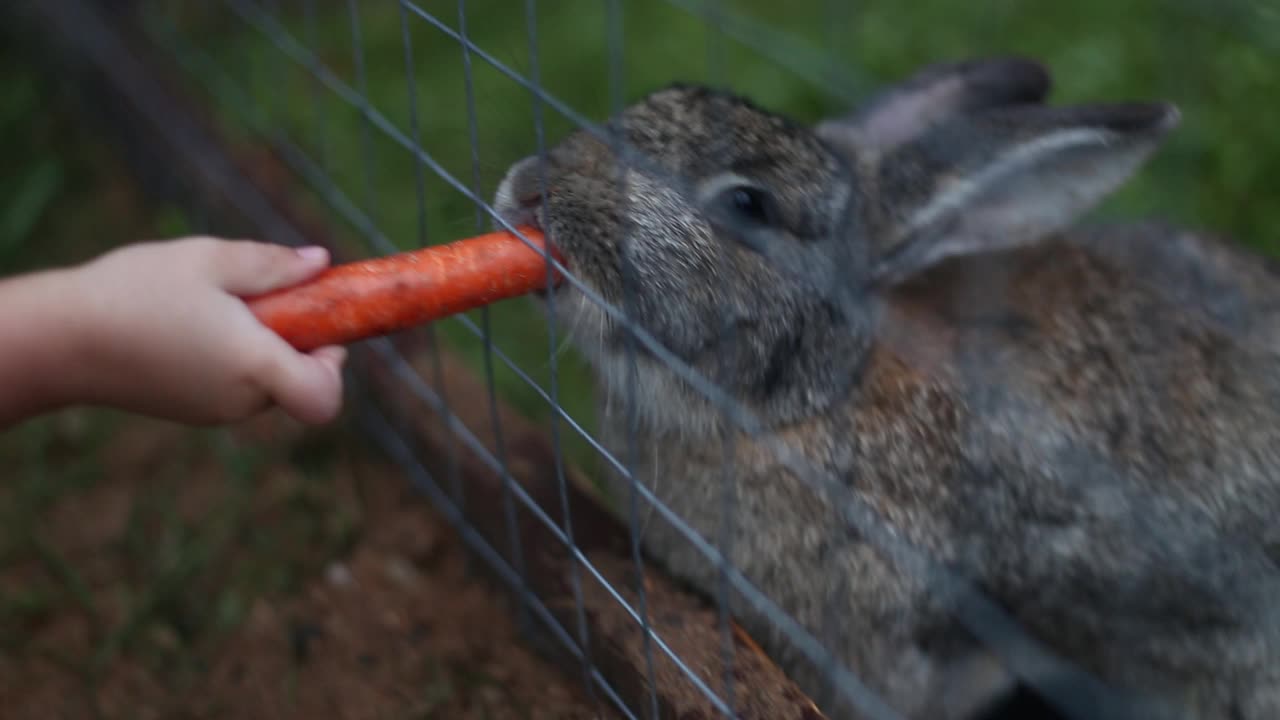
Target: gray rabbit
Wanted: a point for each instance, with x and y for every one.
(1082, 422)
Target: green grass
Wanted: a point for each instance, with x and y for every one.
(1217, 61)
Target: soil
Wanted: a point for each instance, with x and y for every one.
(382, 617)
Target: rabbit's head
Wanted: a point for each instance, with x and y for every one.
(757, 250)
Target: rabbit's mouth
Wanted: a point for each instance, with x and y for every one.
(528, 212)
(529, 215)
(519, 202)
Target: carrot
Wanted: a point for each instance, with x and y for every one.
(374, 297)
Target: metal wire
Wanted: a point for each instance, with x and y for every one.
(321, 140)
(341, 202)
(851, 688)
(109, 52)
(454, 468)
(486, 333)
(396, 446)
(617, 99)
(808, 64)
(724, 537)
(430, 397)
(362, 86)
(977, 613)
(553, 391)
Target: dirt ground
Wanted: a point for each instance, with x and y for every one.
(261, 572)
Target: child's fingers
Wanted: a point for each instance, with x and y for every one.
(249, 268)
(309, 386)
(333, 356)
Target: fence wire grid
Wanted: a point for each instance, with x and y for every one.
(403, 117)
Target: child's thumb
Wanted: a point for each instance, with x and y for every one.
(251, 268)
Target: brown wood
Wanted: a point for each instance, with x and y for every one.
(252, 191)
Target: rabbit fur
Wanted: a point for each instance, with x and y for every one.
(1083, 421)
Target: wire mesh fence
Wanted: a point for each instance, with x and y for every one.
(916, 498)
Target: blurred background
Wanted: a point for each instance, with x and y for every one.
(138, 560)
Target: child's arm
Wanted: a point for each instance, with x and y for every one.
(160, 329)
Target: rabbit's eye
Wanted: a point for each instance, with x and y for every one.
(750, 204)
(741, 210)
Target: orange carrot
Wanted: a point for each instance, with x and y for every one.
(374, 297)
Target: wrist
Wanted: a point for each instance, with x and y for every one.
(81, 319)
(45, 333)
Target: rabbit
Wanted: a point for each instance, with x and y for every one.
(1080, 420)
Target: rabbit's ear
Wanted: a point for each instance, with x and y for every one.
(1008, 177)
(903, 111)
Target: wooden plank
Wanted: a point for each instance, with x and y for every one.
(135, 96)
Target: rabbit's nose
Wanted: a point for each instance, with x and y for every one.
(518, 189)
(529, 177)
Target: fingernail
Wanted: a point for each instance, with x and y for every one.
(312, 253)
(336, 353)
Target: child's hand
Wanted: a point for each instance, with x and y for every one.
(160, 328)
(172, 337)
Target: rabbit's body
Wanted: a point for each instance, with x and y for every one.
(1084, 424)
(1041, 439)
